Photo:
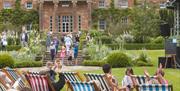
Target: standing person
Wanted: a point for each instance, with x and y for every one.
(52, 51)
(62, 39)
(24, 38)
(48, 41)
(76, 52)
(63, 54)
(68, 42)
(77, 38)
(4, 41)
(56, 43)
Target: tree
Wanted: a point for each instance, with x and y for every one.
(145, 23)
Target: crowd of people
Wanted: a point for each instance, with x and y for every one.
(69, 47)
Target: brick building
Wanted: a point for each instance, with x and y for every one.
(65, 15)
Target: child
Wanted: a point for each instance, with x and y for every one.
(51, 71)
(57, 65)
(70, 57)
(63, 54)
(127, 80)
(113, 83)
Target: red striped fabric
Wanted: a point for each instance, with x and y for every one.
(38, 82)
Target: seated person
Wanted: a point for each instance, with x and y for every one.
(57, 84)
(128, 81)
(113, 83)
(158, 77)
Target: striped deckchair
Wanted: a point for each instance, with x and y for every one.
(100, 78)
(2, 87)
(39, 82)
(72, 76)
(14, 75)
(83, 86)
(155, 87)
(141, 79)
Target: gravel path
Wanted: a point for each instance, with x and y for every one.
(65, 68)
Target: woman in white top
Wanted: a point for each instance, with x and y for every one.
(127, 80)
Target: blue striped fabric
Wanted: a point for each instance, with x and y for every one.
(70, 76)
(141, 79)
(155, 87)
(15, 76)
(100, 78)
(82, 86)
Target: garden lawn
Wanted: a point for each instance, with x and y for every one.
(172, 75)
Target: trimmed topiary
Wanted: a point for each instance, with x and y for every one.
(6, 61)
(118, 59)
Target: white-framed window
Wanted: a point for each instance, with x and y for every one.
(102, 24)
(123, 3)
(101, 3)
(7, 5)
(124, 20)
(50, 23)
(59, 23)
(162, 5)
(29, 5)
(67, 23)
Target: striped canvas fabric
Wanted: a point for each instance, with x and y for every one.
(141, 79)
(70, 76)
(2, 88)
(82, 86)
(38, 82)
(155, 87)
(100, 78)
(15, 76)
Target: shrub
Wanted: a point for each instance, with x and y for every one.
(158, 40)
(143, 60)
(93, 63)
(137, 46)
(12, 47)
(6, 60)
(105, 39)
(21, 64)
(118, 59)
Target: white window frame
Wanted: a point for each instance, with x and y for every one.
(29, 7)
(124, 20)
(123, 3)
(7, 7)
(102, 4)
(102, 24)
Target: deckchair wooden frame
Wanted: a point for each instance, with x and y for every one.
(77, 74)
(18, 73)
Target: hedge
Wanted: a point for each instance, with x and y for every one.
(94, 63)
(21, 64)
(12, 47)
(137, 46)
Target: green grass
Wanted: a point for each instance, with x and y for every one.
(172, 75)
